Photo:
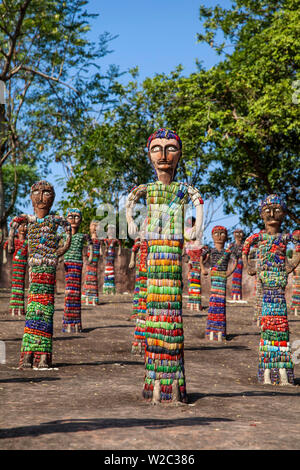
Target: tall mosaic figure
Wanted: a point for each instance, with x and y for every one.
(275, 361)
(73, 261)
(219, 259)
(19, 263)
(43, 253)
(139, 257)
(237, 275)
(165, 199)
(110, 244)
(90, 292)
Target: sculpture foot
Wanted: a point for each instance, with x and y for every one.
(26, 362)
(43, 363)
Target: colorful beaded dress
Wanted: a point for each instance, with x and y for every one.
(216, 319)
(275, 361)
(164, 349)
(73, 271)
(90, 293)
(109, 270)
(237, 275)
(138, 344)
(42, 260)
(194, 278)
(135, 301)
(295, 301)
(19, 262)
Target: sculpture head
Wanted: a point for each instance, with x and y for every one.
(42, 196)
(164, 151)
(238, 236)
(219, 236)
(74, 217)
(273, 211)
(93, 228)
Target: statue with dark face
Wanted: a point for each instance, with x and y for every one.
(43, 253)
(275, 360)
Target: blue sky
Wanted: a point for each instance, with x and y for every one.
(156, 36)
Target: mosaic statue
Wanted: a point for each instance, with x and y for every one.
(139, 257)
(237, 275)
(110, 244)
(90, 294)
(219, 258)
(275, 360)
(43, 254)
(73, 261)
(19, 263)
(164, 349)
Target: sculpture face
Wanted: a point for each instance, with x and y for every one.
(219, 237)
(22, 230)
(165, 154)
(42, 198)
(239, 236)
(273, 216)
(74, 218)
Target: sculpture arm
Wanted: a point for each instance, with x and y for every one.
(253, 239)
(228, 274)
(18, 220)
(133, 197)
(197, 230)
(68, 231)
(296, 240)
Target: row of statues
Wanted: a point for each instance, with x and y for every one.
(158, 295)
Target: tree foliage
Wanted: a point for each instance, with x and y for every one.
(54, 88)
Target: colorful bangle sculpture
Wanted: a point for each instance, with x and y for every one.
(237, 275)
(109, 269)
(216, 319)
(164, 349)
(138, 344)
(19, 262)
(295, 301)
(73, 270)
(194, 279)
(36, 349)
(275, 360)
(90, 293)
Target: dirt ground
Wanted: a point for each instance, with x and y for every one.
(91, 399)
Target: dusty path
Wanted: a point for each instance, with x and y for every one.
(92, 397)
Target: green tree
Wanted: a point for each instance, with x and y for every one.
(239, 121)
(53, 80)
